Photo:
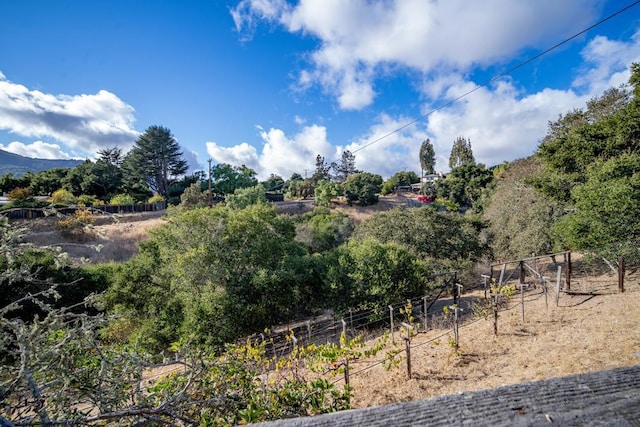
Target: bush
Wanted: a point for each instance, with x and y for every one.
(194, 197)
(19, 193)
(326, 191)
(244, 197)
(156, 198)
(77, 225)
(62, 196)
(86, 200)
(323, 230)
(362, 188)
(122, 199)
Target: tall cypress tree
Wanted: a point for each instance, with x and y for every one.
(156, 158)
(427, 158)
(461, 153)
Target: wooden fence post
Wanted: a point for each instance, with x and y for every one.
(393, 341)
(346, 372)
(455, 288)
(502, 271)
(309, 331)
(407, 346)
(495, 313)
(455, 326)
(424, 308)
(522, 286)
(485, 277)
(344, 329)
(558, 280)
(621, 274)
(567, 272)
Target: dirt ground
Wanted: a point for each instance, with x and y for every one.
(582, 334)
(111, 238)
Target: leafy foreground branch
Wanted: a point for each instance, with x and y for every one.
(56, 370)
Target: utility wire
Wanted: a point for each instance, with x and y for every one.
(498, 77)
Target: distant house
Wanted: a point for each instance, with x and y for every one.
(431, 178)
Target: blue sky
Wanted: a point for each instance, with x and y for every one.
(273, 83)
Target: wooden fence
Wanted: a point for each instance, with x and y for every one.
(32, 213)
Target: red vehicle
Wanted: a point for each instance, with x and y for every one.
(425, 199)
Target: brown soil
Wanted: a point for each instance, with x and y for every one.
(583, 334)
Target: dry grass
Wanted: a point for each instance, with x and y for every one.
(583, 334)
(117, 239)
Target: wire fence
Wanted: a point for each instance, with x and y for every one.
(447, 308)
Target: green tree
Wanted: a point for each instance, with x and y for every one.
(156, 158)
(228, 178)
(194, 196)
(520, 218)
(363, 188)
(275, 183)
(229, 273)
(427, 233)
(322, 230)
(46, 182)
(345, 167)
(178, 187)
(461, 153)
(399, 179)
(322, 171)
(245, 197)
(606, 206)
(370, 275)
(9, 182)
(590, 164)
(325, 192)
(465, 185)
(112, 156)
(427, 158)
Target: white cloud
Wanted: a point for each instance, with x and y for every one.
(192, 159)
(441, 43)
(502, 122)
(385, 150)
(358, 39)
(607, 63)
(36, 150)
(242, 154)
(280, 154)
(85, 123)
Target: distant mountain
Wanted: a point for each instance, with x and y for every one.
(19, 165)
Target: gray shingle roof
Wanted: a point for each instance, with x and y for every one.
(607, 398)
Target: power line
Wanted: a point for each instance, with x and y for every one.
(499, 76)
